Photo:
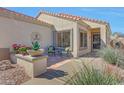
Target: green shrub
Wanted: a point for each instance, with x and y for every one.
(23, 50)
(112, 56)
(88, 75)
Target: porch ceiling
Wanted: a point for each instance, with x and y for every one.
(95, 29)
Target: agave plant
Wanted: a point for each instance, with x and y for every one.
(88, 75)
(35, 45)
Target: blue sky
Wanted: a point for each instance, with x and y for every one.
(115, 16)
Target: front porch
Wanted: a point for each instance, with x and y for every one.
(95, 39)
(80, 43)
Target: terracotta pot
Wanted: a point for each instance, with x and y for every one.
(35, 53)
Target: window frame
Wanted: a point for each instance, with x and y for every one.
(83, 39)
(61, 41)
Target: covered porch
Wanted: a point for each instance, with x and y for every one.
(95, 39)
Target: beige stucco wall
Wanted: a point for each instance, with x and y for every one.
(109, 34)
(103, 31)
(82, 51)
(62, 24)
(4, 54)
(13, 31)
(59, 23)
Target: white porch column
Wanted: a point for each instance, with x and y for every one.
(75, 41)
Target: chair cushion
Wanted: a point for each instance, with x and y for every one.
(51, 49)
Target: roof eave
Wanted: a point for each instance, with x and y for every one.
(21, 17)
(56, 15)
(84, 24)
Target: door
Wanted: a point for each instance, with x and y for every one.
(96, 41)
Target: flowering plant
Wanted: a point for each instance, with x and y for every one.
(16, 48)
(20, 49)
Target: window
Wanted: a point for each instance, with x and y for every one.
(63, 39)
(83, 39)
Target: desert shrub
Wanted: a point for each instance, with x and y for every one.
(88, 75)
(112, 56)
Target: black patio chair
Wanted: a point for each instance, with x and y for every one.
(51, 50)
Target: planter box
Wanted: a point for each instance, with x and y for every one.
(35, 53)
(34, 66)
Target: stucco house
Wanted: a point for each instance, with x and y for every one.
(82, 35)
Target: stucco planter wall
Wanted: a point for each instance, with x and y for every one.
(34, 66)
(35, 53)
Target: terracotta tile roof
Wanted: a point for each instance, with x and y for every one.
(74, 18)
(61, 15)
(22, 17)
(94, 20)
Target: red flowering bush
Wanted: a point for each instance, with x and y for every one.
(20, 49)
(16, 48)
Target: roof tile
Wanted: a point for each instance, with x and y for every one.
(76, 18)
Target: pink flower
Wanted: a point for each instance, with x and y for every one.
(14, 45)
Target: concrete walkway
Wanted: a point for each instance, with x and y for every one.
(58, 73)
(51, 77)
(43, 81)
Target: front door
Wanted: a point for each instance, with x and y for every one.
(96, 40)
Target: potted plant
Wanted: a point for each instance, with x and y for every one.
(20, 49)
(35, 51)
(23, 50)
(16, 48)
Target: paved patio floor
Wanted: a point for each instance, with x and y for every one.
(56, 59)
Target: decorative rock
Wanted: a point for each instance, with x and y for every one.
(11, 74)
(4, 65)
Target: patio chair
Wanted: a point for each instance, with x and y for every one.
(66, 52)
(51, 50)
